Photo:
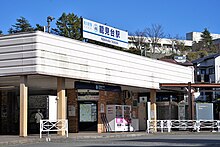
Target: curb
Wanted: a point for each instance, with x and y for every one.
(60, 138)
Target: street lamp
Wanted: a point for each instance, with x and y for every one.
(49, 19)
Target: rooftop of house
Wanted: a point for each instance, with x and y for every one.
(186, 63)
(205, 58)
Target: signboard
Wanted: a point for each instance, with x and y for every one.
(102, 108)
(83, 85)
(85, 94)
(204, 111)
(180, 59)
(181, 111)
(103, 33)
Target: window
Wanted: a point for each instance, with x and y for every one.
(202, 71)
(211, 71)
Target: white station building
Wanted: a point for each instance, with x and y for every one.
(85, 78)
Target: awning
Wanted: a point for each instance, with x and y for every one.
(194, 85)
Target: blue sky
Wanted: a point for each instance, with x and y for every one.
(176, 16)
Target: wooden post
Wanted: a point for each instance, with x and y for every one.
(23, 106)
(153, 108)
(61, 101)
(190, 108)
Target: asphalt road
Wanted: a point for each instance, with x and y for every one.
(151, 140)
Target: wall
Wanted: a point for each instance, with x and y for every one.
(217, 69)
(105, 98)
(42, 53)
(72, 102)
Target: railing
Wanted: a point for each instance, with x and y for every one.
(53, 126)
(195, 125)
(105, 122)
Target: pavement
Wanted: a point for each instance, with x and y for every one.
(34, 138)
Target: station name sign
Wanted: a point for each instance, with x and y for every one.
(103, 33)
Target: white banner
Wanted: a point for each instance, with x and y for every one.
(103, 33)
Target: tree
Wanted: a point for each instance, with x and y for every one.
(22, 25)
(207, 42)
(206, 38)
(180, 45)
(195, 55)
(39, 27)
(154, 34)
(0, 32)
(173, 41)
(138, 40)
(205, 45)
(69, 25)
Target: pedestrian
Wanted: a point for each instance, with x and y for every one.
(38, 117)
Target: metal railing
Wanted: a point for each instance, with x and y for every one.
(195, 125)
(53, 126)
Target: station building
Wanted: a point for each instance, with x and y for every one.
(84, 78)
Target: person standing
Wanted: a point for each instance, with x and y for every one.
(38, 117)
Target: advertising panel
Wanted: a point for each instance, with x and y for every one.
(103, 33)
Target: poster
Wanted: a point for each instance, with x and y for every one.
(72, 110)
(102, 108)
(85, 113)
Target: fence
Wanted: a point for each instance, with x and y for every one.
(196, 125)
(53, 126)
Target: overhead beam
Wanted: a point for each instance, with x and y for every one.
(196, 85)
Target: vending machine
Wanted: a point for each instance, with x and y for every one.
(119, 117)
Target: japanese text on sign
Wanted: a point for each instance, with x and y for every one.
(103, 33)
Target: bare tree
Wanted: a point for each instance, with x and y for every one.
(180, 46)
(154, 34)
(177, 43)
(138, 39)
(173, 41)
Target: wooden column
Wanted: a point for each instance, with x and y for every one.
(190, 102)
(61, 101)
(153, 108)
(23, 106)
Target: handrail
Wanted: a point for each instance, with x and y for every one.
(195, 125)
(53, 125)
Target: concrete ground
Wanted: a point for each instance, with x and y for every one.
(15, 139)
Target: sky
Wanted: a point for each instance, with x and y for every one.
(177, 17)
